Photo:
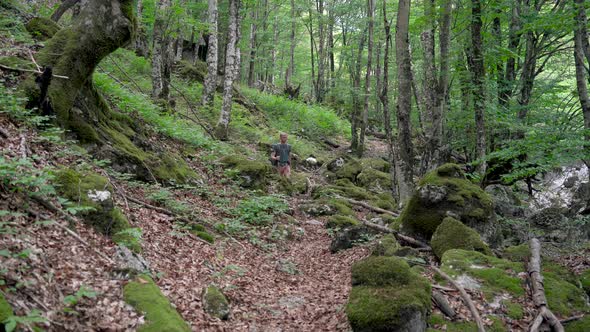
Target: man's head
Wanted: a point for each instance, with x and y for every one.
(283, 138)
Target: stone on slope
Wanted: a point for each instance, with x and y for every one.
(387, 295)
(453, 234)
(446, 192)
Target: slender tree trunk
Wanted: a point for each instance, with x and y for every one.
(580, 39)
(370, 15)
(273, 53)
(312, 46)
(158, 53)
(231, 70)
(290, 69)
(514, 34)
(141, 44)
(356, 87)
(527, 76)
(429, 88)
(332, 80)
(63, 8)
(497, 33)
(377, 74)
(252, 60)
(405, 160)
(384, 97)
(478, 80)
(321, 52)
(210, 84)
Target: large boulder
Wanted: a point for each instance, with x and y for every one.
(387, 295)
(446, 192)
(253, 174)
(453, 234)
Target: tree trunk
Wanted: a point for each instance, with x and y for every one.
(290, 69)
(252, 60)
(332, 81)
(478, 81)
(273, 52)
(405, 160)
(141, 44)
(231, 70)
(210, 84)
(63, 8)
(384, 97)
(581, 35)
(507, 87)
(320, 90)
(312, 46)
(370, 14)
(356, 86)
(158, 52)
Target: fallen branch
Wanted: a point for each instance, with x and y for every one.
(539, 299)
(441, 302)
(49, 206)
(398, 235)
(443, 288)
(465, 297)
(571, 319)
(370, 207)
(166, 212)
(30, 71)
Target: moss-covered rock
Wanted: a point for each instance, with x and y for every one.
(205, 236)
(387, 296)
(377, 164)
(381, 271)
(453, 234)
(296, 184)
(192, 72)
(215, 303)
(327, 207)
(145, 296)
(94, 193)
(338, 221)
(386, 246)
(443, 192)
(374, 180)
(42, 28)
(349, 170)
(253, 173)
(5, 310)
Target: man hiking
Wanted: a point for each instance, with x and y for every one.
(281, 155)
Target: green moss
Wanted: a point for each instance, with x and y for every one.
(386, 246)
(145, 296)
(514, 310)
(42, 28)
(16, 62)
(215, 303)
(563, 298)
(338, 221)
(453, 234)
(197, 228)
(581, 325)
(196, 72)
(296, 184)
(104, 217)
(205, 236)
(172, 167)
(5, 309)
(387, 308)
(256, 171)
(353, 192)
(497, 275)
(585, 281)
(473, 205)
(518, 253)
(341, 206)
(381, 271)
(349, 170)
(374, 180)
